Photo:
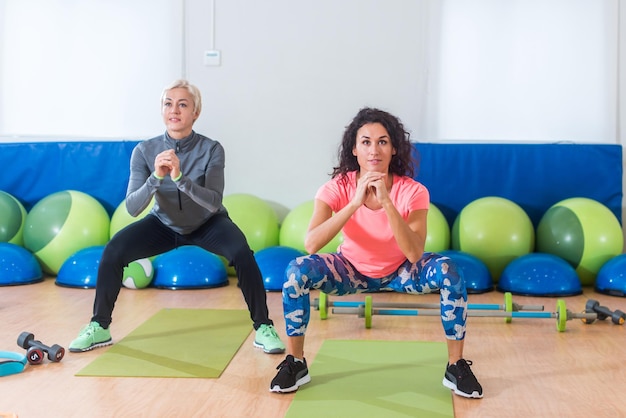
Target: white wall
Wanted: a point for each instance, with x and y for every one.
(293, 74)
(527, 70)
(86, 69)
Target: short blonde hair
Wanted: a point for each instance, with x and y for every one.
(193, 90)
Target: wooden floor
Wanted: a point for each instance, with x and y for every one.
(527, 368)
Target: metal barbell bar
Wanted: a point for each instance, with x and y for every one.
(322, 304)
(562, 314)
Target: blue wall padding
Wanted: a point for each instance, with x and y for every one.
(32, 171)
(535, 176)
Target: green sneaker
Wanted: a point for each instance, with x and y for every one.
(90, 337)
(267, 339)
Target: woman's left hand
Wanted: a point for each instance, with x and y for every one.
(378, 184)
(167, 162)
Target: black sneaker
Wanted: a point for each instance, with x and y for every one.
(291, 375)
(461, 380)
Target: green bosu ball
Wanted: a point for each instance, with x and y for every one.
(12, 219)
(63, 223)
(494, 229)
(582, 231)
(121, 218)
(138, 274)
(437, 232)
(294, 228)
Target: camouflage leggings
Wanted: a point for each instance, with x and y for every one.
(334, 275)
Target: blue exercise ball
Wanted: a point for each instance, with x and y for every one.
(476, 273)
(540, 274)
(81, 268)
(611, 278)
(189, 267)
(272, 262)
(18, 265)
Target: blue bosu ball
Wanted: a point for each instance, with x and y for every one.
(540, 274)
(476, 273)
(81, 268)
(272, 262)
(611, 278)
(189, 267)
(18, 266)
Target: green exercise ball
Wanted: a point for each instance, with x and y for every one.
(12, 219)
(255, 217)
(437, 232)
(295, 225)
(63, 223)
(138, 274)
(280, 210)
(494, 229)
(582, 231)
(121, 218)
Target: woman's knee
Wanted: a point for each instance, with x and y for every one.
(242, 254)
(113, 254)
(293, 275)
(451, 270)
(446, 271)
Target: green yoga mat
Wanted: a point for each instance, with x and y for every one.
(375, 379)
(176, 343)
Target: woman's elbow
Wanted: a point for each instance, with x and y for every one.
(132, 211)
(413, 259)
(310, 247)
(415, 256)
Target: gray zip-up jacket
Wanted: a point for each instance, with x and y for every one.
(186, 204)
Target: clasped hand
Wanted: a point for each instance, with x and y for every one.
(371, 183)
(167, 163)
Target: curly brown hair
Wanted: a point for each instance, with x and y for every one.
(403, 163)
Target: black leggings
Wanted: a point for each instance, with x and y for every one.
(149, 236)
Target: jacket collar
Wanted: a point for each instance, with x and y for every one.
(180, 144)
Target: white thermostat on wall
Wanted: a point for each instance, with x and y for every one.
(212, 58)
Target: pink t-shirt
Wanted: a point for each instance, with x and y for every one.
(368, 241)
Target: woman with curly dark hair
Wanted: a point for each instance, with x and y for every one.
(402, 163)
(381, 211)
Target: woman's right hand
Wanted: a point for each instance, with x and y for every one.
(163, 163)
(364, 187)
